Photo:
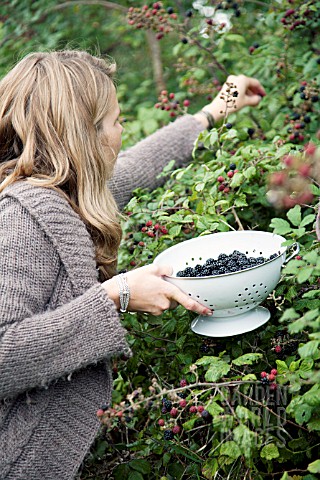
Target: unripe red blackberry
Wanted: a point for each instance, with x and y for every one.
(274, 372)
(186, 103)
(221, 187)
(200, 408)
(173, 412)
(226, 190)
(150, 234)
(171, 95)
(164, 230)
(161, 422)
(100, 412)
(278, 349)
(176, 430)
(183, 382)
(263, 374)
(149, 223)
(182, 403)
(271, 377)
(273, 386)
(193, 409)
(220, 179)
(230, 174)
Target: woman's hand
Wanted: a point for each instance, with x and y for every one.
(150, 293)
(249, 93)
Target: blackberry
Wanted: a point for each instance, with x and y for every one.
(205, 272)
(223, 257)
(189, 13)
(164, 410)
(232, 166)
(260, 260)
(251, 131)
(264, 381)
(181, 273)
(167, 404)
(170, 10)
(307, 119)
(168, 435)
(228, 125)
(182, 395)
(314, 98)
(204, 348)
(210, 261)
(188, 272)
(205, 414)
(274, 255)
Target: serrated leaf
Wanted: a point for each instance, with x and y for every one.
(216, 371)
(210, 468)
(304, 274)
(314, 425)
(310, 349)
(247, 359)
(214, 408)
(207, 360)
(289, 314)
(270, 451)
(302, 413)
(230, 449)
(142, 466)
(280, 226)
(236, 180)
(282, 367)
(245, 438)
(307, 220)
(294, 215)
(121, 472)
(223, 424)
(250, 172)
(189, 424)
(314, 467)
(245, 414)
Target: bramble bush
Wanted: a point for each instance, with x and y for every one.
(193, 407)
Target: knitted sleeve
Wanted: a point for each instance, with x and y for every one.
(39, 345)
(139, 165)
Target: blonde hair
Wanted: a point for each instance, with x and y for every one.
(51, 109)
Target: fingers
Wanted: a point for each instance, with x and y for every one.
(188, 303)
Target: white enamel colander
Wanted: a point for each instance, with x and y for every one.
(234, 297)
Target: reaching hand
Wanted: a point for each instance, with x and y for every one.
(249, 93)
(150, 293)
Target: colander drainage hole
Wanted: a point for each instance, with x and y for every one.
(198, 296)
(190, 294)
(246, 289)
(261, 284)
(239, 294)
(254, 285)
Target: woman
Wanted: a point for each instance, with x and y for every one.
(59, 236)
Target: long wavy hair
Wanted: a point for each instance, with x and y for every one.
(51, 110)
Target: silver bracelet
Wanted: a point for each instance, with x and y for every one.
(209, 117)
(124, 292)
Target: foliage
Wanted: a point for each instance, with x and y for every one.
(240, 425)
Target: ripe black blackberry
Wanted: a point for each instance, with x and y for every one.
(168, 435)
(204, 348)
(167, 404)
(182, 394)
(264, 381)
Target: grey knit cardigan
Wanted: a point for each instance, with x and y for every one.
(58, 328)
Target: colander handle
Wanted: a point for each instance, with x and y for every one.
(296, 250)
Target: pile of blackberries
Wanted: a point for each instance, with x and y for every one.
(234, 262)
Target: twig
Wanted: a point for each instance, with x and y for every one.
(237, 218)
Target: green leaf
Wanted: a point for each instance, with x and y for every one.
(210, 468)
(223, 423)
(294, 215)
(250, 172)
(314, 467)
(245, 414)
(310, 349)
(121, 472)
(307, 219)
(289, 314)
(189, 424)
(282, 367)
(247, 359)
(142, 466)
(304, 274)
(207, 360)
(302, 413)
(280, 226)
(237, 180)
(214, 408)
(216, 371)
(314, 425)
(246, 439)
(270, 451)
(230, 449)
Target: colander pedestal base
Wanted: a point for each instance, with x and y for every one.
(229, 326)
